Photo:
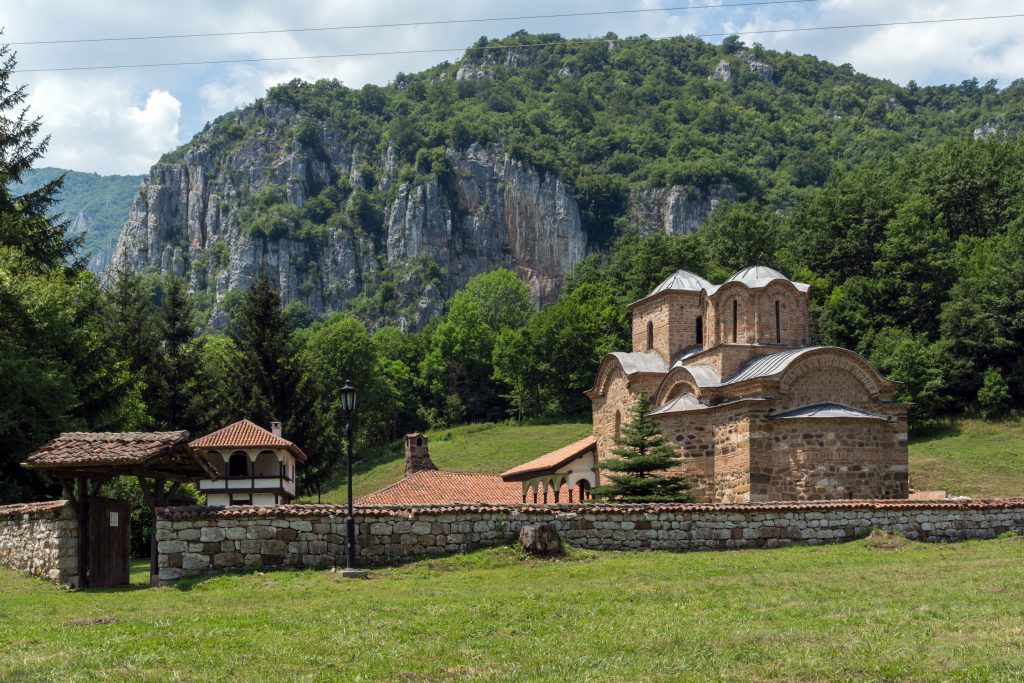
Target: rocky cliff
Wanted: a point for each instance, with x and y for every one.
(488, 211)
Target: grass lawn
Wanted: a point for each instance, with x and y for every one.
(972, 458)
(487, 448)
(849, 612)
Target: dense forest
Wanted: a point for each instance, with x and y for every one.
(907, 227)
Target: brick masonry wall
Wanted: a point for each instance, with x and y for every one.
(41, 539)
(201, 540)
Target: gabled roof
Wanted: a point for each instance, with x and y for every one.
(549, 462)
(112, 453)
(640, 361)
(771, 364)
(434, 487)
(680, 404)
(246, 434)
(826, 410)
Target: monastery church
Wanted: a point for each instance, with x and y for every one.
(755, 411)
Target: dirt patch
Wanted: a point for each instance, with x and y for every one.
(885, 540)
(92, 621)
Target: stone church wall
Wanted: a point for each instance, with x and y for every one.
(41, 539)
(201, 540)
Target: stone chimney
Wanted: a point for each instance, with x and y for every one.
(275, 429)
(417, 455)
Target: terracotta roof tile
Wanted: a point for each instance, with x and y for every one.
(76, 449)
(409, 510)
(18, 509)
(246, 434)
(550, 461)
(431, 487)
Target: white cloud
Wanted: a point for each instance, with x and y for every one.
(100, 126)
(122, 121)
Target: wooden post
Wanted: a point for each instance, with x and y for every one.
(83, 532)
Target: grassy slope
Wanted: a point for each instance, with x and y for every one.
(973, 458)
(847, 612)
(489, 448)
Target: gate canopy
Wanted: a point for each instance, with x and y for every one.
(104, 455)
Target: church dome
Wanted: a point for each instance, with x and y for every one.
(682, 281)
(760, 276)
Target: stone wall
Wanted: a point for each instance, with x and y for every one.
(199, 540)
(41, 539)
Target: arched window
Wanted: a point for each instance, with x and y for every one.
(650, 335)
(699, 331)
(618, 423)
(584, 487)
(238, 465)
(735, 308)
(778, 324)
(419, 440)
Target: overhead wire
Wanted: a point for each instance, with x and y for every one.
(405, 24)
(792, 29)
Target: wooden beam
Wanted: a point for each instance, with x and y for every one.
(83, 532)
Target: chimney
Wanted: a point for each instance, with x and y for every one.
(275, 429)
(417, 455)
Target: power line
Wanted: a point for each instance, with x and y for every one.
(796, 29)
(410, 23)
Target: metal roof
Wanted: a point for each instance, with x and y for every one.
(682, 281)
(761, 276)
(640, 361)
(771, 364)
(826, 410)
(704, 375)
(680, 404)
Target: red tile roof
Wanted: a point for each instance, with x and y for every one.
(246, 434)
(434, 487)
(42, 507)
(92, 449)
(550, 462)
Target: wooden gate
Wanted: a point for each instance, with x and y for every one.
(108, 542)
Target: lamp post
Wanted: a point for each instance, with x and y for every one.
(348, 404)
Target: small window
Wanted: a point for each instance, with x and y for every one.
(778, 324)
(419, 440)
(241, 500)
(618, 423)
(650, 335)
(238, 465)
(699, 331)
(735, 308)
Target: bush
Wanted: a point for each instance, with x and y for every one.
(994, 395)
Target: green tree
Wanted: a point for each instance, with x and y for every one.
(261, 336)
(642, 456)
(739, 235)
(179, 356)
(994, 395)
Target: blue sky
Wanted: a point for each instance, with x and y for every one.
(121, 121)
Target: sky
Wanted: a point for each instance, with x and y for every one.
(120, 121)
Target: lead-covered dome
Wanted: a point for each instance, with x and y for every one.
(682, 281)
(760, 276)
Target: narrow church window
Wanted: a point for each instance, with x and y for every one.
(238, 465)
(650, 335)
(618, 423)
(778, 324)
(735, 306)
(699, 331)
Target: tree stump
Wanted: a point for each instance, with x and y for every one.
(541, 540)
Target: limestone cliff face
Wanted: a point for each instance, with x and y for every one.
(489, 211)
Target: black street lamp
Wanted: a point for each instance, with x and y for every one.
(348, 404)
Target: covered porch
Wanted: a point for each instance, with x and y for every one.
(563, 476)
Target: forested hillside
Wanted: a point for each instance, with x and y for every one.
(96, 205)
(403, 237)
(383, 201)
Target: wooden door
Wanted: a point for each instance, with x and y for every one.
(108, 542)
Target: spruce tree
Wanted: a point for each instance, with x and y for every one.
(261, 335)
(641, 454)
(179, 357)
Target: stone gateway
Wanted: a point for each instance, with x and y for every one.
(757, 412)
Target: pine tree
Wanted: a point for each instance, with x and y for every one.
(24, 224)
(179, 357)
(641, 453)
(261, 335)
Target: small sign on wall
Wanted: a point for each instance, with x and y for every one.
(114, 519)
